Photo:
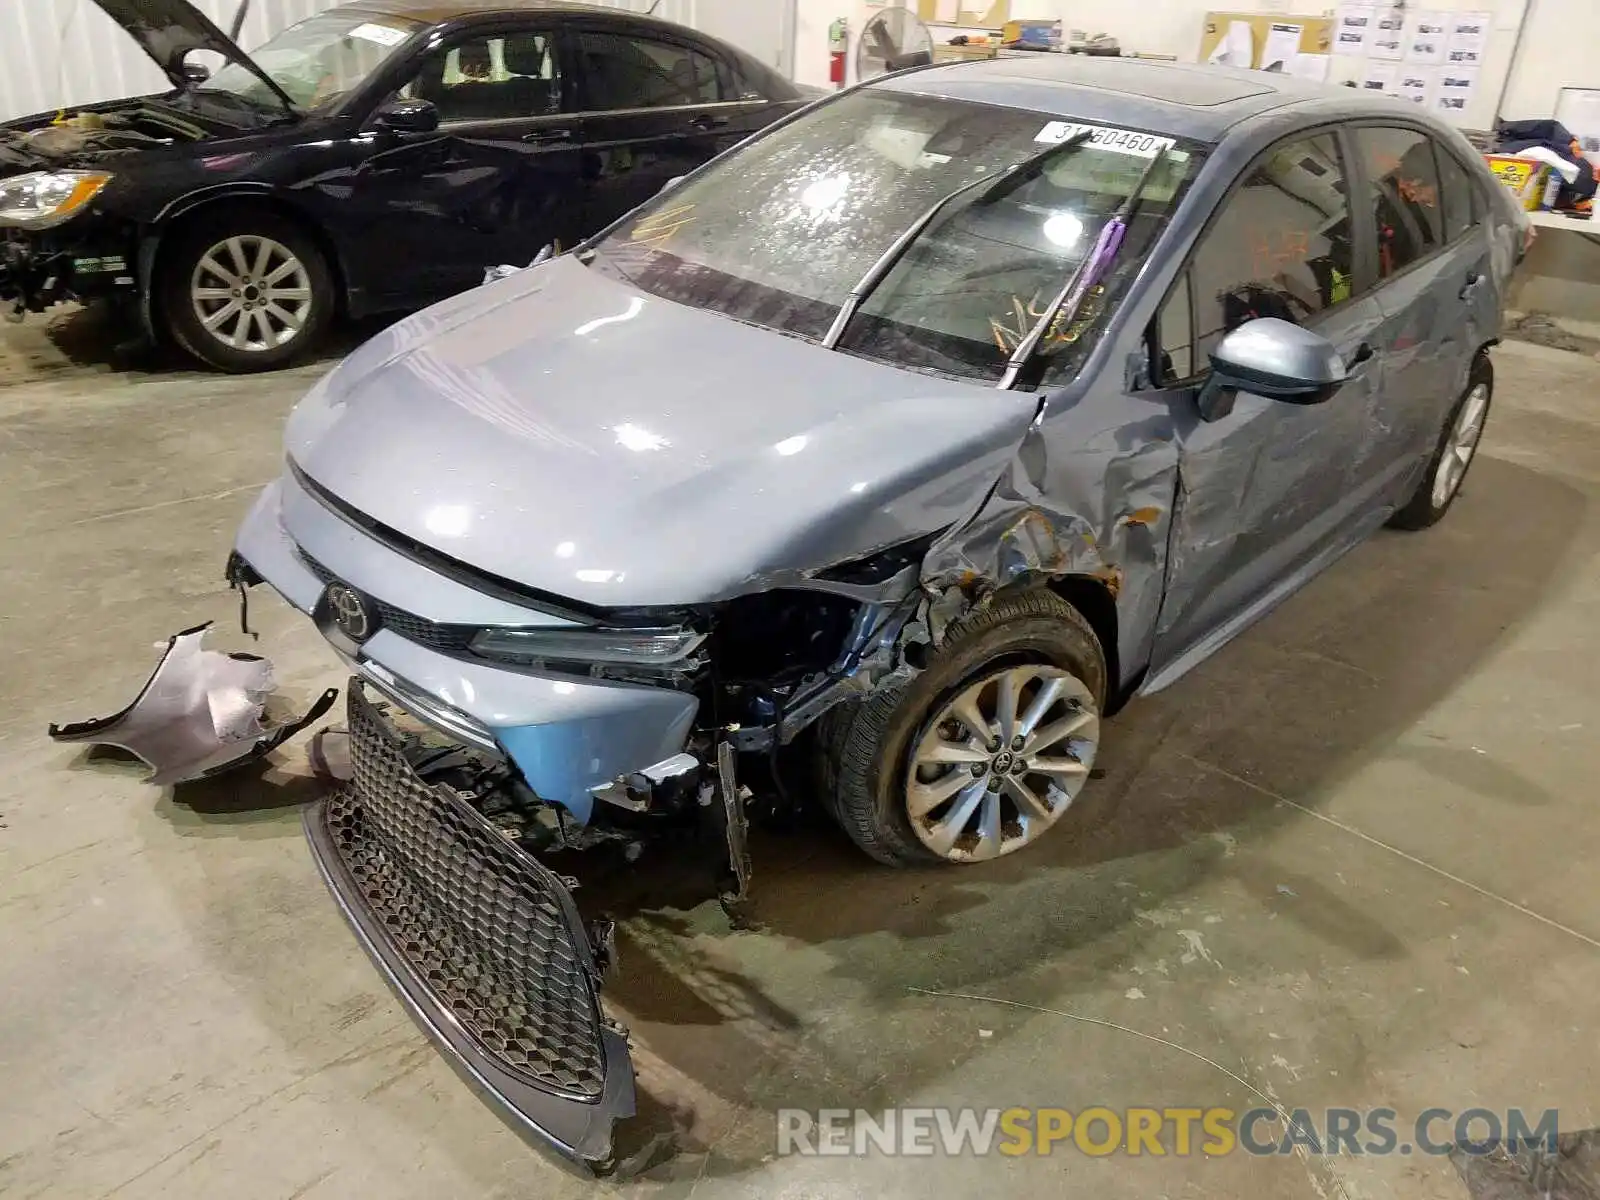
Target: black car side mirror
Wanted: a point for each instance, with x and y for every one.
(408, 116)
(1272, 358)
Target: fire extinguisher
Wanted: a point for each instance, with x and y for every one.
(838, 47)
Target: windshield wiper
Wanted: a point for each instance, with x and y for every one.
(989, 188)
(1091, 271)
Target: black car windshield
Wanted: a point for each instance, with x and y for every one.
(778, 233)
(318, 61)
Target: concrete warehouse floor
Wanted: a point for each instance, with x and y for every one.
(1350, 860)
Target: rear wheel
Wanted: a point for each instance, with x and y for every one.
(1458, 446)
(984, 751)
(245, 290)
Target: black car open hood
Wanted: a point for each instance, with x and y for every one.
(169, 29)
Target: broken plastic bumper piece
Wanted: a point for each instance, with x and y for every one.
(200, 713)
(480, 941)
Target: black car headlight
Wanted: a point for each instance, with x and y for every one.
(658, 647)
(41, 199)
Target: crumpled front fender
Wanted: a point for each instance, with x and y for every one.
(1089, 493)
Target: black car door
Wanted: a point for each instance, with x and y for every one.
(497, 180)
(654, 106)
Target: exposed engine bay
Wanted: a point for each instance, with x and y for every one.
(96, 134)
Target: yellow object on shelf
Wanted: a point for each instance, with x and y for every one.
(1044, 34)
(1526, 177)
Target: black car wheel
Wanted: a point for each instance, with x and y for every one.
(245, 290)
(1452, 458)
(984, 751)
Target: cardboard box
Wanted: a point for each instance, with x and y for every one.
(1526, 177)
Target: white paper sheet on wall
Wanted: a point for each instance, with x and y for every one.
(1427, 37)
(1311, 66)
(1380, 77)
(1579, 110)
(1389, 35)
(1416, 83)
(1237, 47)
(1454, 93)
(1352, 29)
(1469, 38)
(1283, 43)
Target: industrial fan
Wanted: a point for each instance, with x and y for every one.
(891, 41)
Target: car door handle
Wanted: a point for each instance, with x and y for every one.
(706, 121)
(547, 137)
(1474, 282)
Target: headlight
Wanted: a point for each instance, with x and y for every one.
(634, 647)
(44, 198)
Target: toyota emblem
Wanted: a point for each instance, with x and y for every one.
(349, 610)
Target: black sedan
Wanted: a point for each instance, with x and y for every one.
(378, 156)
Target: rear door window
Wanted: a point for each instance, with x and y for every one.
(1279, 246)
(619, 73)
(1457, 193)
(1402, 194)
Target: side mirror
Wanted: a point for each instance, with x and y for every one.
(196, 72)
(1272, 358)
(408, 116)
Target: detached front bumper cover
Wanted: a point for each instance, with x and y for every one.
(199, 714)
(479, 940)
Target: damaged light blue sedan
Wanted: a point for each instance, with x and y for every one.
(911, 438)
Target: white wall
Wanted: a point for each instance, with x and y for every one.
(1561, 46)
(56, 52)
(759, 27)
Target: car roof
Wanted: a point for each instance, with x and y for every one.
(435, 12)
(1189, 100)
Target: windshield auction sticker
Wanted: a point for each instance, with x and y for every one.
(382, 34)
(1103, 137)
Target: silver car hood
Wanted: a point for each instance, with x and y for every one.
(574, 435)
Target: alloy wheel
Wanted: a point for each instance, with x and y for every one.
(1461, 445)
(251, 293)
(1001, 761)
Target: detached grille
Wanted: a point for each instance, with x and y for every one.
(446, 639)
(491, 933)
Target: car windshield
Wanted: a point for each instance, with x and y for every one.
(779, 233)
(318, 61)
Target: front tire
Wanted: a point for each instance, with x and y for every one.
(245, 290)
(984, 751)
(1453, 457)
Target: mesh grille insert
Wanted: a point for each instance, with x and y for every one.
(489, 931)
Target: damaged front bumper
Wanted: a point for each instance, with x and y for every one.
(571, 736)
(481, 942)
(38, 270)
